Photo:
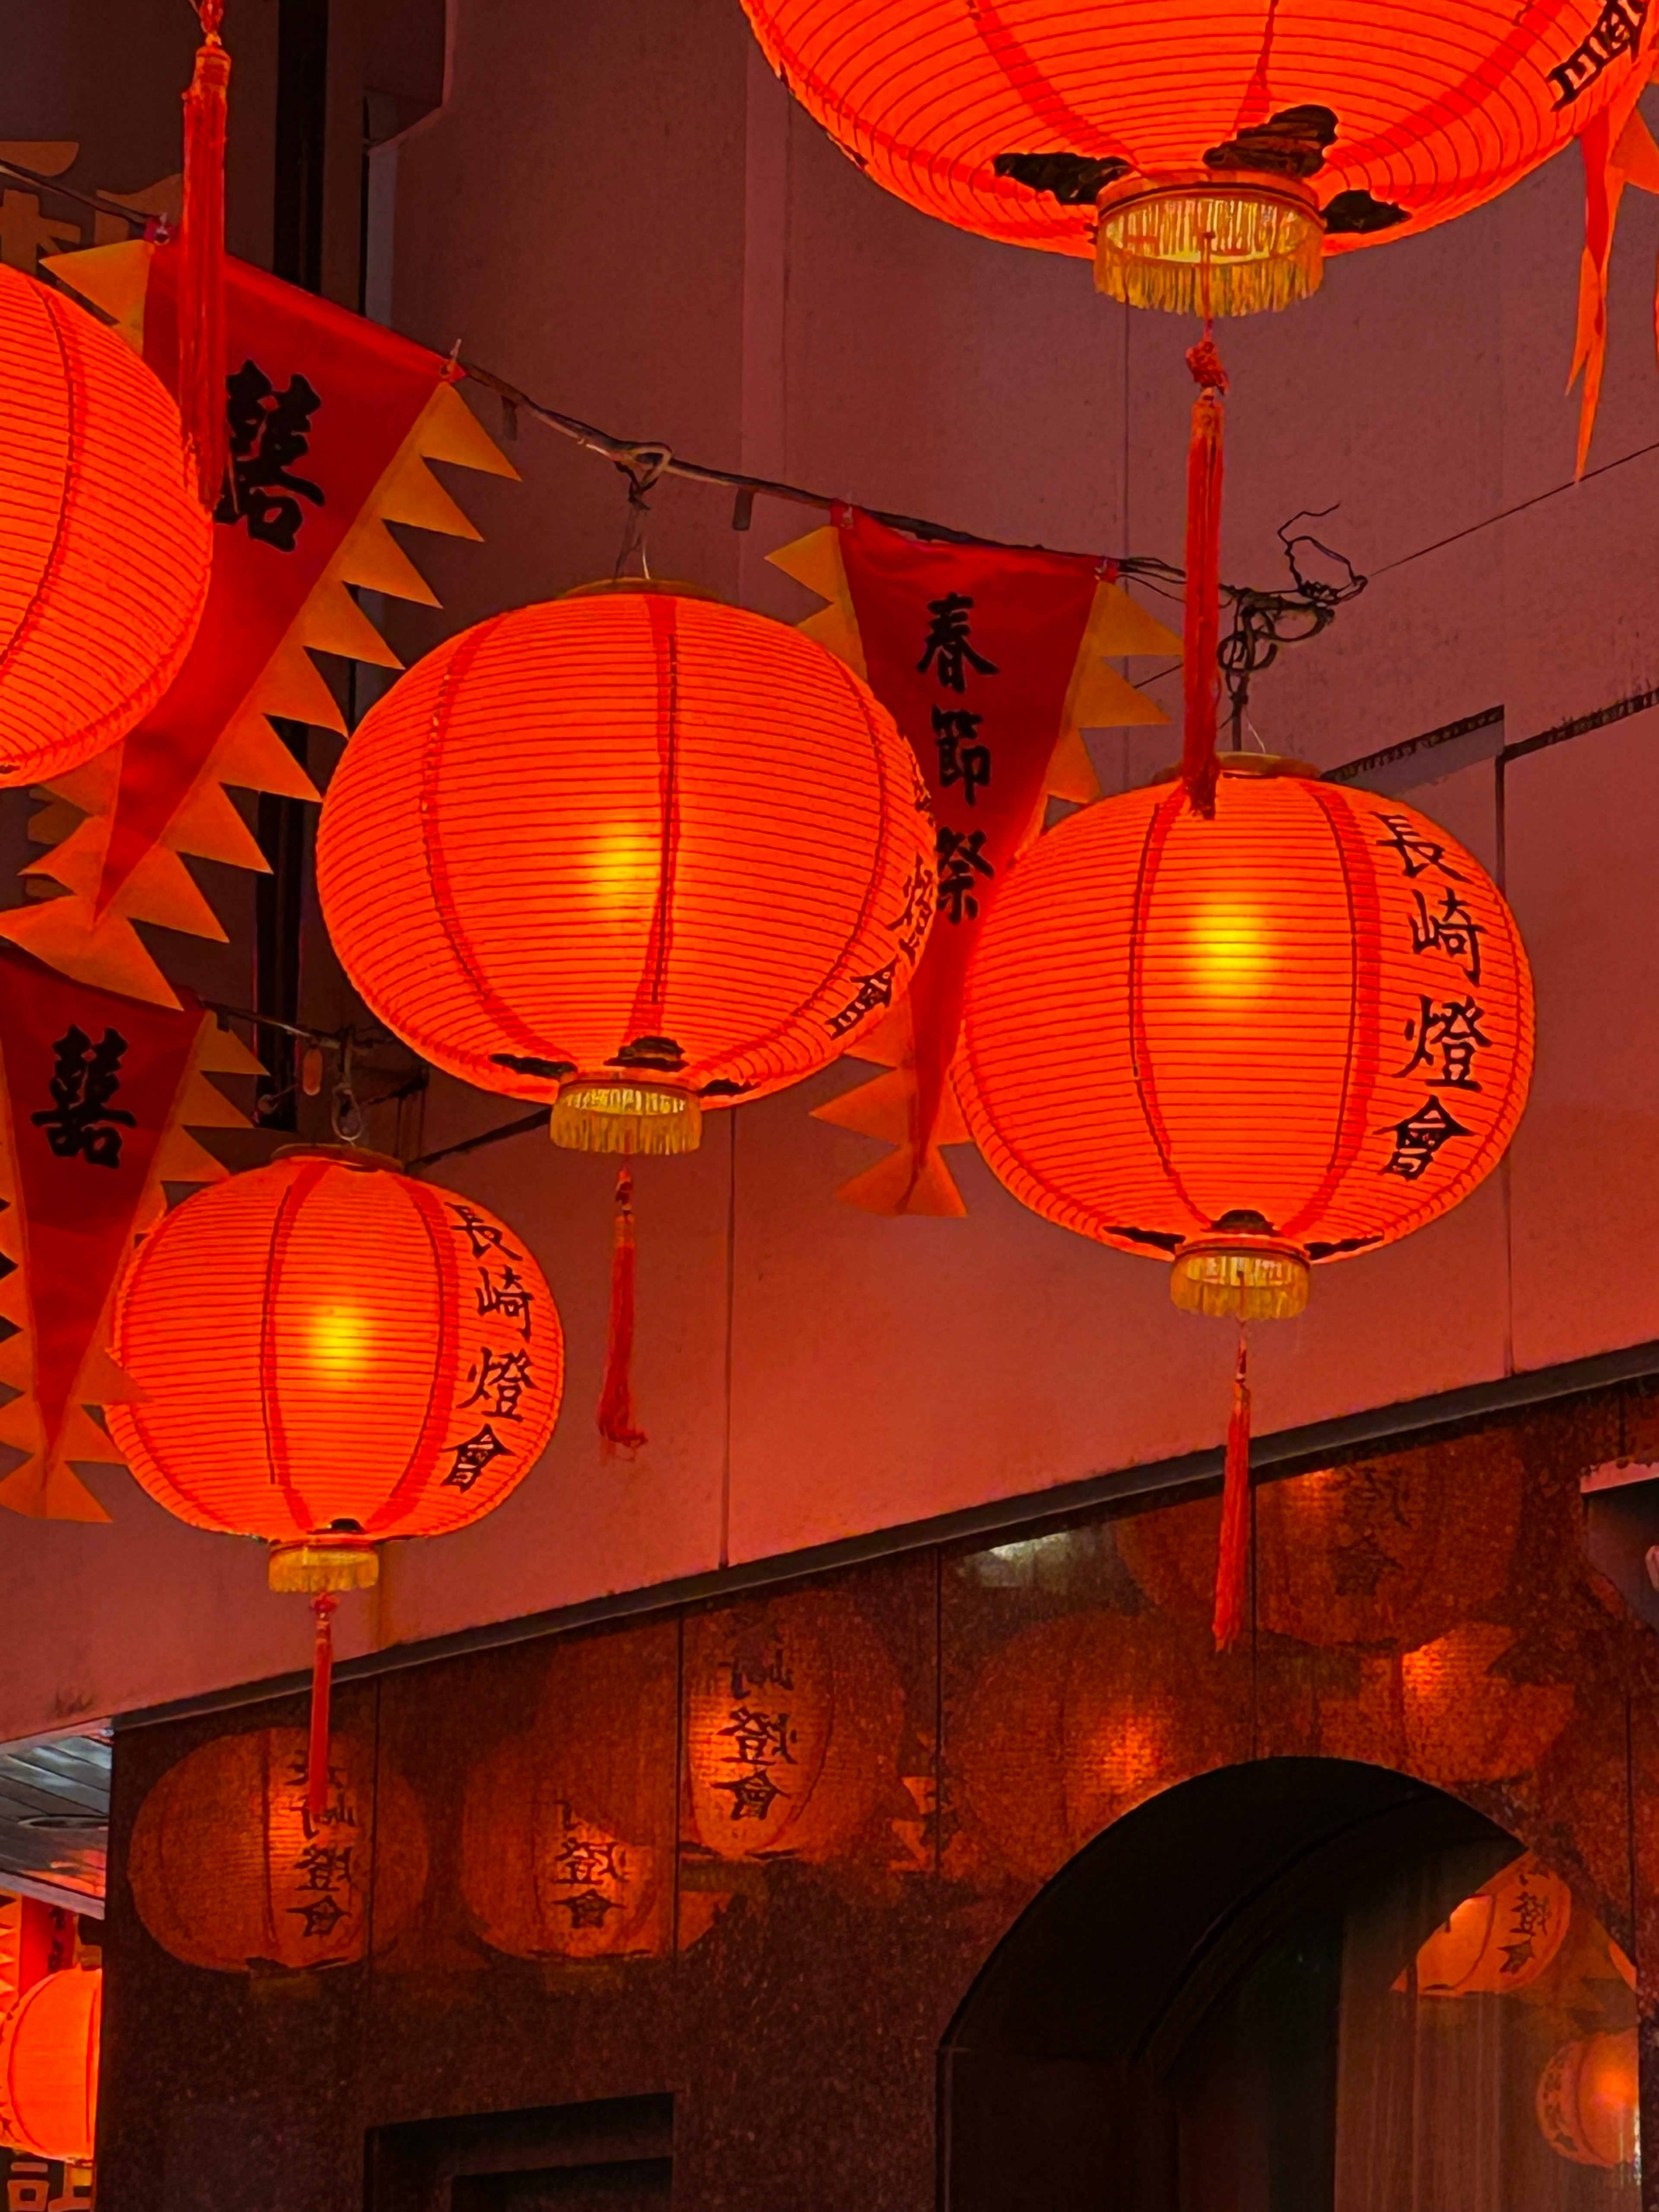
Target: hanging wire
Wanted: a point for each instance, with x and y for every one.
(642, 464)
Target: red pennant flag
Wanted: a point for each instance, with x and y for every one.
(97, 1090)
(975, 649)
(330, 420)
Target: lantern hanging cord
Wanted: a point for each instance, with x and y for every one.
(1265, 621)
(641, 465)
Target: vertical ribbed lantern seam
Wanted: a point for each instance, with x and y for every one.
(1140, 1055)
(439, 876)
(651, 992)
(445, 1361)
(74, 387)
(1363, 1058)
(270, 1380)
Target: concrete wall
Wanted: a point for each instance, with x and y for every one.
(619, 209)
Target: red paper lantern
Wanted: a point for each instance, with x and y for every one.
(104, 550)
(1290, 1034)
(49, 2065)
(325, 1354)
(1229, 144)
(328, 1353)
(634, 853)
(1500, 1941)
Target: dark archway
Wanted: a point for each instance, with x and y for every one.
(1058, 2087)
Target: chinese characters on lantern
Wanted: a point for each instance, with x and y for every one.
(81, 1122)
(323, 1869)
(1444, 1036)
(592, 1867)
(499, 1374)
(1617, 30)
(964, 759)
(759, 1739)
(32, 2186)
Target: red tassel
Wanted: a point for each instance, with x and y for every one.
(1233, 1563)
(1203, 623)
(617, 1398)
(322, 1687)
(202, 261)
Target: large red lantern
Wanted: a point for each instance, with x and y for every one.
(1209, 153)
(327, 1354)
(104, 550)
(49, 2065)
(634, 853)
(1290, 1033)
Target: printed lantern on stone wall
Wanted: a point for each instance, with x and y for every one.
(230, 1869)
(326, 1354)
(1588, 2100)
(635, 853)
(49, 2065)
(1249, 1045)
(104, 550)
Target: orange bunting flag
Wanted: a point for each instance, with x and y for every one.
(331, 420)
(992, 659)
(98, 1094)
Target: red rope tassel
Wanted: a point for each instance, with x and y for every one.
(201, 264)
(617, 1425)
(322, 1688)
(1203, 622)
(1233, 1562)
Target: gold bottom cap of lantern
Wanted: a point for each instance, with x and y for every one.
(1242, 1272)
(618, 1113)
(1209, 242)
(326, 1561)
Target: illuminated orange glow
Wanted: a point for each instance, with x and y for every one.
(1588, 2100)
(324, 1340)
(221, 1861)
(631, 822)
(104, 552)
(1170, 1020)
(49, 2065)
(1501, 1939)
(1439, 105)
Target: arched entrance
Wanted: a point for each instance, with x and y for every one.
(1299, 1985)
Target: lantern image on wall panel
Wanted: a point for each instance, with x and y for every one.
(569, 1837)
(793, 1714)
(1226, 143)
(1588, 2104)
(1068, 1726)
(326, 1353)
(1247, 1045)
(232, 1870)
(634, 853)
(1498, 1942)
(49, 2065)
(104, 550)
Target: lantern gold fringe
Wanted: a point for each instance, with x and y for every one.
(606, 1117)
(1240, 1282)
(312, 1569)
(1208, 248)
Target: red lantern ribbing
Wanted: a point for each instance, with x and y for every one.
(327, 1354)
(634, 853)
(1295, 1032)
(104, 550)
(49, 2065)
(1240, 141)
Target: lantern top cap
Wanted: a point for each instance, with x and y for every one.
(1250, 764)
(664, 586)
(344, 1156)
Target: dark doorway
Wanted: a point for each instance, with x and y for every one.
(1303, 1985)
(615, 2155)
